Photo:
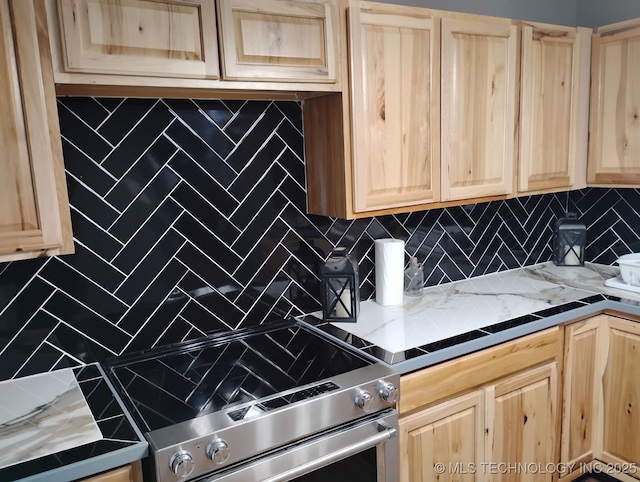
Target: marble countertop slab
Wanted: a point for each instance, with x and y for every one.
(455, 319)
(120, 442)
(43, 414)
(461, 307)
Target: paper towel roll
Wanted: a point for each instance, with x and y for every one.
(389, 271)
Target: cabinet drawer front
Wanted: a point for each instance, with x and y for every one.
(278, 40)
(478, 108)
(141, 37)
(615, 108)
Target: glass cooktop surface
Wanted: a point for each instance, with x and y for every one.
(173, 384)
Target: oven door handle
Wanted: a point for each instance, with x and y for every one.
(386, 433)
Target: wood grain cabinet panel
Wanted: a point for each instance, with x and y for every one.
(479, 72)
(554, 102)
(394, 59)
(451, 433)
(581, 361)
(34, 209)
(621, 393)
(163, 38)
(278, 40)
(521, 421)
(614, 149)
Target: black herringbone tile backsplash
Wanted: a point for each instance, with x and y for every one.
(189, 217)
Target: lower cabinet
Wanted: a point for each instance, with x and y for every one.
(444, 442)
(602, 394)
(499, 417)
(126, 473)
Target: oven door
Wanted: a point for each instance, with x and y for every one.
(366, 451)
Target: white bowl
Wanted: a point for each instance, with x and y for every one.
(630, 268)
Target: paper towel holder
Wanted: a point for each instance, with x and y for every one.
(340, 286)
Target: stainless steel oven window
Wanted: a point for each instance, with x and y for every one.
(304, 460)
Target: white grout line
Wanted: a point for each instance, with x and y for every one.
(110, 113)
(25, 323)
(96, 164)
(87, 218)
(81, 304)
(133, 235)
(134, 163)
(88, 126)
(133, 304)
(79, 181)
(115, 268)
(257, 151)
(64, 353)
(77, 331)
(43, 342)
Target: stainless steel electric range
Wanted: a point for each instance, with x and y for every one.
(279, 402)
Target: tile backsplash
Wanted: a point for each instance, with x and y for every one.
(189, 217)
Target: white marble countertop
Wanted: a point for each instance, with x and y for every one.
(43, 414)
(458, 308)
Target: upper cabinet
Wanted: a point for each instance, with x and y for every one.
(34, 208)
(479, 88)
(221, 48)
(278, 40)
(151, 38)
(394, 60)
(614, 149)
(554, 106)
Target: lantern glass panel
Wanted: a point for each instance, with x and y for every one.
(340, 287)
(569, 241)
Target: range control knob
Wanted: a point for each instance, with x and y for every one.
(387, 391)
(363, 400)
(182, 464)
(218, 451)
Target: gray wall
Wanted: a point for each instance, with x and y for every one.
(563, 12)
(594, 13)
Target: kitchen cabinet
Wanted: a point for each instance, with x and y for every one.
(498, 405)
(554, 106)
(522, 421)
(279, 40)
(479, 89)
(394, 60)
(126, 473)
(614, 148)
(34, 207)
(450, 433)
(151, 38)
(602, 393)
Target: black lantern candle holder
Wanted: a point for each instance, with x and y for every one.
(569, 241)
(340, 287)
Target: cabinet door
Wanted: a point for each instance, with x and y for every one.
(554, 102)
(582, 360)
(479, 61)
(34, 210)
(279, 40)
(614, 149)
(162, 38)
(450, 433)
(394, 60)
(522, 423)
(621, 393)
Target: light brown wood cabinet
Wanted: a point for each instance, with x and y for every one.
(496, 406)
(602, 393)
(153, 38)
(34, 207)
(395, 85)
(450, 433)
(126, 473)
(554, 106)
(614, 144)
(279, 40)
(479, 89)
(522, 423)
